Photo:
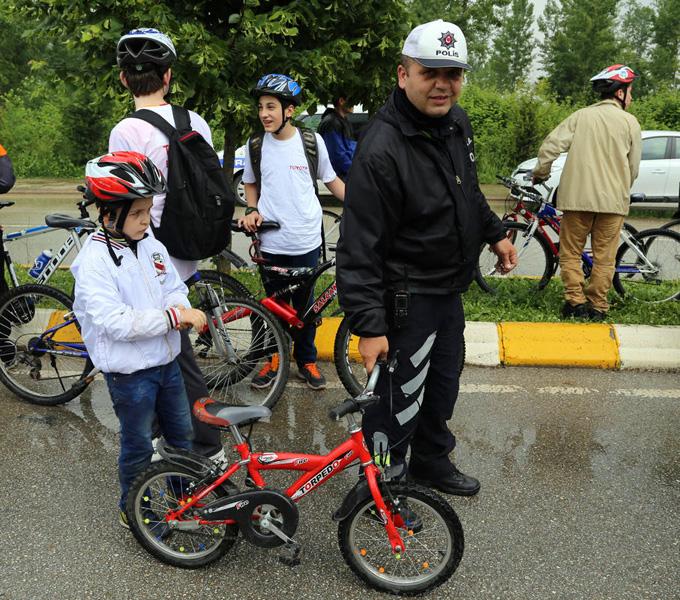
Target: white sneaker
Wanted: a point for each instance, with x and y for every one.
(155, 457)
(220, 458)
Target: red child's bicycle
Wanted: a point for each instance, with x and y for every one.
(186, 511)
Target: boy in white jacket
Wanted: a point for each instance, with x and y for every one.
(130, 303)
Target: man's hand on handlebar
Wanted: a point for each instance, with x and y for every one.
(372, 349)
(251, 222)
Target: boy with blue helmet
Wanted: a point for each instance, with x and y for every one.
(286, 193)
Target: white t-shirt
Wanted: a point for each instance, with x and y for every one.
(287, 194)
(140, 136)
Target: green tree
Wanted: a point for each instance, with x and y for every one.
(513, 46)
(665, 61)
(225, 46)
(636, 32)
(476, 18)
(579, 41)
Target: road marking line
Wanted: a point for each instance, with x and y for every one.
(647, 393)
(486, 388)
(568, 391)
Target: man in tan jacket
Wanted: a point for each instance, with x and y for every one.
(603, 142)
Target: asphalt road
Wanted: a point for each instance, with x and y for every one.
(580, 496)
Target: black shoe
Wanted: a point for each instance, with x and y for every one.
(596, 315)
(578, 311)
(456, 483)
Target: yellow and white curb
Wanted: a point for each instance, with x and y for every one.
(595, 345)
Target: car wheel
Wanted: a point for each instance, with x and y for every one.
(240, 189)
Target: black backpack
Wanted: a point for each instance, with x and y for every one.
(199, 205)
(308, 143)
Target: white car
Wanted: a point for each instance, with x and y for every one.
(659, 177)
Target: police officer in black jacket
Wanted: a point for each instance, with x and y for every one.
(413, 223)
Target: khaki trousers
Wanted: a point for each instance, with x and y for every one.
(604, 230)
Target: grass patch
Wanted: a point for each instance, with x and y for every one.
(516, 300)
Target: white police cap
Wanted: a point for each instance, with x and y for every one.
(437, 44)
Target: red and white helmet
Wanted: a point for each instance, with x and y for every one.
(122, 177)
(613, 78)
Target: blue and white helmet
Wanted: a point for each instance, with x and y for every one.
(145, 46)
(280, 86)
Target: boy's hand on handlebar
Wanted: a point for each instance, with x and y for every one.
(251, 222)
(372, 349)
(191, 317)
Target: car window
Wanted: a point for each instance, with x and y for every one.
(676, 148)
(654, 148)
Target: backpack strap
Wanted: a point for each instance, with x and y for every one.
(182, 119)
(312, 154)
(156, 120)
(255, 153)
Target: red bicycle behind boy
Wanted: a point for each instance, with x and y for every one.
(186, 511)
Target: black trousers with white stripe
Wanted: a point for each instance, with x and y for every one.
(424, 386)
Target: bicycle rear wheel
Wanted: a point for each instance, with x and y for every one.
(331, 232)
(32, 334)
(434, 543)
(249, 338)
(348, 362)
(656, 279)
(161, 489)
(535, 257)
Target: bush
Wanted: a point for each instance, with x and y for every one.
(32, 129)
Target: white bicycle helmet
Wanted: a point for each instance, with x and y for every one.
(145, 47)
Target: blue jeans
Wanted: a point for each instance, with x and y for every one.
(304, 350)
(138, 398)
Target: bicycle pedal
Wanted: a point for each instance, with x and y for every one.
(248, 482)
(290, 554)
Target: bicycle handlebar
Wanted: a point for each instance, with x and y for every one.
(364, 399)
(525, 190)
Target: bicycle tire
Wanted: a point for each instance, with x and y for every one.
(662, 249)
(348, 363)
(255, 335)
(225, 284)
(535, 261)
(673, 225)
(25, 312)
(152, 495)
(331, 224)
(379, 567)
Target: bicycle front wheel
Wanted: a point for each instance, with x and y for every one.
(535, 260)
(37, 360)
(648, 270)
(161, 489)
(224, 285)
(249, 343)
(429, 528)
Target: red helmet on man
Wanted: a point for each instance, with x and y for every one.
(613, 78)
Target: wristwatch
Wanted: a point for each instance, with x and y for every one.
(251, 209)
